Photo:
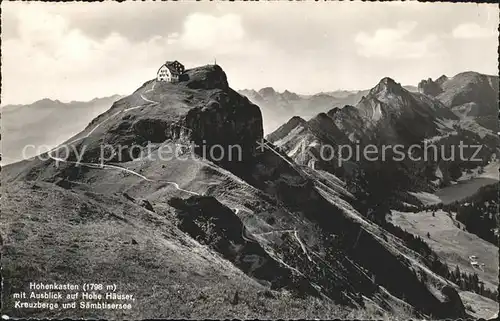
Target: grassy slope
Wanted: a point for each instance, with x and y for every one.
(171, 275)
(166, 268)
(451, 243)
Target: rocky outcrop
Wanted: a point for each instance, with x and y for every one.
(267, 92)
(471, 87)
(206, 77)
(285, 129)
(279, 107)
(441, 80)
(228, 119)
(221, 118)
(290, 95)
(430, 87)
(453, 306)
(213, 224)
(349, 120)
(324, 127)
(305, 235)
(387, 85)
(388, 115)
(465, 89)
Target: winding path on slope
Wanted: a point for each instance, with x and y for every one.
(106, 166)
(249, 238)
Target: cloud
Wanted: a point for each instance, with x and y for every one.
(393, 43)
(80, 51)
(203, 31)
(473, 30)
(53, 58)
(50, 58)
(218, 35)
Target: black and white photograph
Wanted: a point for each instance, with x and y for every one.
(249, 160)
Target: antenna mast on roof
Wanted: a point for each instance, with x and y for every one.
(215, 61)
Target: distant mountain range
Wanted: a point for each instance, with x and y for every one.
(391, 115)
(45, 123)
(277, 107)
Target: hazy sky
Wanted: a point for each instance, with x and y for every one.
(78, 51)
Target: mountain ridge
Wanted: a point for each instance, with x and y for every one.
(45, 124)
(48, 101)
(391, 115)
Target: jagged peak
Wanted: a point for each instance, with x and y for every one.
(47, 100)
(322, 115)
(286, 128)
(469, 73)
(471, 77)
(321, 95)
(387, 84)
(247, 91)
(267, 91)
(297, 120)
(333, 111)
(442, 79)
(431, 87)
(290, 95)
(321, 118)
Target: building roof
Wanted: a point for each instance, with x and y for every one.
(175, 67)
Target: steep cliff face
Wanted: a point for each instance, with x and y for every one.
(200, 109)
(349, 120)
